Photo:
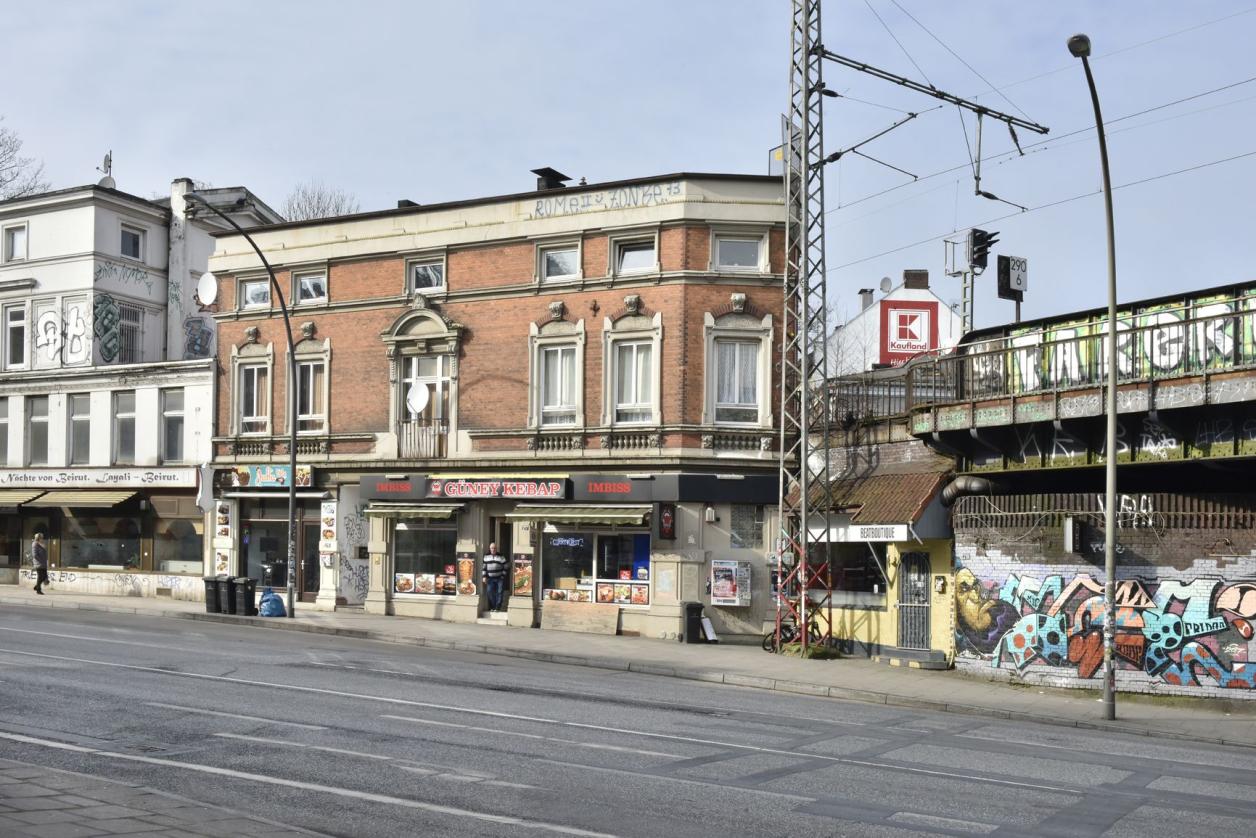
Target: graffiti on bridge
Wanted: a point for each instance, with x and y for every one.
(1186, 634)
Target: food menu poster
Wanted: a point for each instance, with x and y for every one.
(222, 520)
(327, 528)
(222, 561)
(622, 594)
(730, 583)
(466, 574)
(522, 581)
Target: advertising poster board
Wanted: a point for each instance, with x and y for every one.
(730, 583)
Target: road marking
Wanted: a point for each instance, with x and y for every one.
(943, 823)
(725, 786)
(232, 715)
(167, 646)
(461, 709)
(532, 736)
(291, 744)
(435, 808)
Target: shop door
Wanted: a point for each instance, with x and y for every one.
(913, 601)
(307, 567)
(501, 531)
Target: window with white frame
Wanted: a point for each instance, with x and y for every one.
(427, 383)
(172, 425)
(311, 396)
(559, 262)
(254, 399)
(311, 289)
(738, 253)
(745, 528)
(15, 243)
(255, 293)
(4, 430)
(425, 276)
(80, 410)
(14, 337)
(130, 334)
(634, 381)
(124, 427)
(558, 384)
(37, 423)
(132, 244)
(736, 380)
(639, 256)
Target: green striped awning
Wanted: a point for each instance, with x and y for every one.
(96, 500)
(589, 514)
(435, 511)
(16, 497)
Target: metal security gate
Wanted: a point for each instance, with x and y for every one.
(913, 601)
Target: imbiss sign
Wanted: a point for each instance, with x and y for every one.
(908, 327)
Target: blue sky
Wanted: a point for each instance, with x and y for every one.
(436, 101)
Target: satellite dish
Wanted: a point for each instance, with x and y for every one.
(417, 397)
(886, 284)
(207, 289)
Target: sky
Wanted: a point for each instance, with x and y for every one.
(438, 101)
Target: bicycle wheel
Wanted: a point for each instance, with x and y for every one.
(769, 642)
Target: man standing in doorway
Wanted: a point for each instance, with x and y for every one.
(39, 558)
(494, 574)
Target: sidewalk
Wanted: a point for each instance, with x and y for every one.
(856, 679)
(49, 803)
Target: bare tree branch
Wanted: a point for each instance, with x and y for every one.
(314, 199)
(19, 176)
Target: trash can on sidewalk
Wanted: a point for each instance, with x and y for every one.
(211, 595)
(226, 595)
(246, 596)
(693, 622)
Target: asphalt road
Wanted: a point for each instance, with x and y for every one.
(346, 737)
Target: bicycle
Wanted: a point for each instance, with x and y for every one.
(790, 634)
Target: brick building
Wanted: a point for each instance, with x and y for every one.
(583, 375)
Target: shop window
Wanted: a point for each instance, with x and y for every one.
(745, 527)
(254, 399)
(178, 545)
(37, 422)
(80, 407)
(15, 337)
(311, 397)
(596, 567)
(858, 567)
(424, 559)
(124, 427)
(172, 425)
(15, 243)
(103, 543)
(4, 431)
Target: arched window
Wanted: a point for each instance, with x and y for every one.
(632, 349)
(738, 364)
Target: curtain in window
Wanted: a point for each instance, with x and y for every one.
(726, 372)
(747, 373)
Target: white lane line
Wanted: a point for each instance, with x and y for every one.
(559, 740)
(669, 780)
(289, 744)
(435, 808)
(463, 710)
(164, 646)
(232, 715)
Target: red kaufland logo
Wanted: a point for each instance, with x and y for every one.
(909, 330)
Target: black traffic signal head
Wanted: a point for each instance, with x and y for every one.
(979, 244)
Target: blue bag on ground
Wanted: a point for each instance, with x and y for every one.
(271, 605)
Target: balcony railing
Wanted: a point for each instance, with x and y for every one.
(423, 440)
(1151, 345)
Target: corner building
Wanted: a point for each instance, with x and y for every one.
(585, 376)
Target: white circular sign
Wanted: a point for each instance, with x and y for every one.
(207, 289)
(417, 397)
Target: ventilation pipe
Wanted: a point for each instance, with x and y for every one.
(967, 484)
(865, 297)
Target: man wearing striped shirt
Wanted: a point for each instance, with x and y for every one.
(494, 575)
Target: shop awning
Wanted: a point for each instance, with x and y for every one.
(96, 500)
(581, 514)
(16, 497)
(434, 511)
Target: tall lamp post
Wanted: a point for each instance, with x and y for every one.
(1079, 46)
(197, 199)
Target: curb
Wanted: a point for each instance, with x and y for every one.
(734, 679)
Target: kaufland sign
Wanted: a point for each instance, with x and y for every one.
(908, 327)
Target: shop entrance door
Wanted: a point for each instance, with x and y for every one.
(913, 601)
(307, 567)
(500, 531)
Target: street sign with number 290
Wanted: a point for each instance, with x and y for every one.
(1013, 277)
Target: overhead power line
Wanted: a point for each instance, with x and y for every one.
(1049, 205)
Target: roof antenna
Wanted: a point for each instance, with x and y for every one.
(106, 168)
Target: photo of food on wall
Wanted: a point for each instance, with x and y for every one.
(623, 593)
(640, 594)
(403, 583)
(425, 583)
(557, 594)
(605, 592)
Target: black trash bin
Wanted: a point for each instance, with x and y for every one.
(246, 596)
(693, 623)
(211, 595)
(226, 595)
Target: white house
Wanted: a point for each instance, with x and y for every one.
(107, 386)
(909, 319)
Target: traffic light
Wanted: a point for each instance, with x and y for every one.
(979, 244)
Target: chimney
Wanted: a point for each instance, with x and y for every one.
(405, 203)
(547, 179)
(865, 298)
(918, 278)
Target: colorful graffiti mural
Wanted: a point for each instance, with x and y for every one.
(1183, 634)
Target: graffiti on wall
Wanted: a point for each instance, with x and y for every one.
(107, 320)
(123, 275)
(1189, 634)
(198, 337)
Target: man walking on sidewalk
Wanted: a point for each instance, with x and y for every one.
(494, 574)
(39, 558)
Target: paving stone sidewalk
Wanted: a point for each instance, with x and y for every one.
(858, 679)
(49, 803)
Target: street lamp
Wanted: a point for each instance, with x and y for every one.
(200, 200)
(1079, 46)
